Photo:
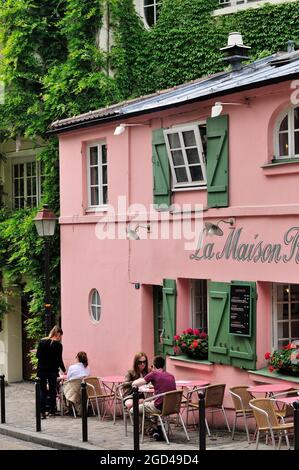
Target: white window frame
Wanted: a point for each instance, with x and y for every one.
(192, 305)
(274, 316)
(179, 130)
(290, 132)
(23, 161)
(100, 185)
(97, 305)
(153, 5)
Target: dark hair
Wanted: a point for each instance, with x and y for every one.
(135, 364)
(159, 362)
(82, 357)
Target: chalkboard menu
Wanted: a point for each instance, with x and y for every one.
(240, 310)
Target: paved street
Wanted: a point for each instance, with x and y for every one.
(20, 413)
(10, 443)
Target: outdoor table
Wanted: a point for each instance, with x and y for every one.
(269, 389)
(191, 383)
(288, 400)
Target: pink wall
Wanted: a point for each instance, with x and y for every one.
(263, 201)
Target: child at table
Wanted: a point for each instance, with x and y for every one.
(139, 370)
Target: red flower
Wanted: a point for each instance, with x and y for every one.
(195, 343)
(196, 332)
(267, 355)
(271, 368)
(190, 331)
(297, 356)
(184, 345)
(288, 346)
(203, 335)
(176, 337)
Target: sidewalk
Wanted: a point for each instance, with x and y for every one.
(65, 432)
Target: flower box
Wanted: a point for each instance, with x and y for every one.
(286, 360)
(193, 343)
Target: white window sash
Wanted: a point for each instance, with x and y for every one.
(23, 161)
(291, 135)
(99, 166)
(199, 146)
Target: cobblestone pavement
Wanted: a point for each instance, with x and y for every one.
(20, 413)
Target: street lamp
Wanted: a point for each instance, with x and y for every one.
(45, 222)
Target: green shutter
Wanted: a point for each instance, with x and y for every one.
(217, 161)
(218, 322)
(243, 349)
(169, 314)
(161, 172)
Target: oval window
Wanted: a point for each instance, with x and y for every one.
(95, 305)
(151, 11)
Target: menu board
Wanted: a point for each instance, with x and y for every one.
(240, 310)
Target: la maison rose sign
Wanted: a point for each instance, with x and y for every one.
(256, 250)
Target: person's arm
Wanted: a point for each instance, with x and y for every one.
(60, 361)
(138, 382)
(38, 352)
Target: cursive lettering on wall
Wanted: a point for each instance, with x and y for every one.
(257, 251)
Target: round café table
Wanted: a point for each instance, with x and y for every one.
(269, 389)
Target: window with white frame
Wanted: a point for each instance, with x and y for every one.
(185, 149)
(27, 179)
(199, 308)
(95, 305)
(286, 314)
(151, 11)
(97, 182)
(287, 135)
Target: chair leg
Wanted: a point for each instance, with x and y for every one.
(163, 430)
(224, 414)
(184, 427)
(273, 439)
(246, 427)
(257, 440)
(143, 418)
(98, 410)
(74, 411)
(279, 441)
(287, 439)
(234, 426)
(208, 429)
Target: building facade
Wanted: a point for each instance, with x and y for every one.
(155, 165)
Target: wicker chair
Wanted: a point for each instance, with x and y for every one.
(214, 395)
(241, 398)
(96, 393)
(267, 421)
(287, 411)
(119, 399)
(171, 406)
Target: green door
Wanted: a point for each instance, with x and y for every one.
(158, 319)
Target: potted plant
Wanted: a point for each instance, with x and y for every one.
(193, 343)
(286, 360)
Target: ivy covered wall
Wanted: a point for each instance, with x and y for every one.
(53, 68)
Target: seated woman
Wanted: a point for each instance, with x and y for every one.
(72, 386)
(80, 369)
(139, 370)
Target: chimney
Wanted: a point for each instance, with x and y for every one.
(235, 51)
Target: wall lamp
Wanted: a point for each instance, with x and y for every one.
(211, 229)
(218, 107)
(133, 234)
(120, 129)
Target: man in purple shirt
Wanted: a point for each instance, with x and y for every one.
(162, 382)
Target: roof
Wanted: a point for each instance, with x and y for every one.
(272, 69)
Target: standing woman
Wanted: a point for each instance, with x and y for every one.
(139, 370)
(49, 355)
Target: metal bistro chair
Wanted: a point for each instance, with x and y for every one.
(214, 395)
(95, 392)
(120, 399)
(171, 405)
(267, 421)
(241, 398)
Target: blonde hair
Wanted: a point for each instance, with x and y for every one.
(56, 330)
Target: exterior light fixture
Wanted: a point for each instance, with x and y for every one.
(133, 234)
(218, 107)
(211, 229)
(45, 222)
(120, 129)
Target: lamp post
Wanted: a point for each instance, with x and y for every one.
(45, 222)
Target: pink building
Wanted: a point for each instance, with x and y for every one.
(121, 296)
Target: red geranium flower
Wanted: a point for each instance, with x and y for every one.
(271, 368)
(267, 355)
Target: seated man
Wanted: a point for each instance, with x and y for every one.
(162, 382)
